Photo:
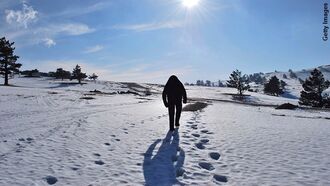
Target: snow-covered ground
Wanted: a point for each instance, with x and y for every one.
(47, 131)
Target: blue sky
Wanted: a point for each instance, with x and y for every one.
(148, 40)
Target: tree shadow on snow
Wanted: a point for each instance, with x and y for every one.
(165, 166)
(288, 95)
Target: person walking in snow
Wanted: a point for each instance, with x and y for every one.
(174, 94)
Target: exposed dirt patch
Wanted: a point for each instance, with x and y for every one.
(195, 106)
(288, 106)
(87, 98)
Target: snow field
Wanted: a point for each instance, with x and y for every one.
(49, 135)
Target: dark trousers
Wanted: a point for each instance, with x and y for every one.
(177, 108)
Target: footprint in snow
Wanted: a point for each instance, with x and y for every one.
(21, 139)
(74, 168)
(220, 178)
(194, 127)
(204, 131)
(200, 146)
(185, 136)
(214, 155)
(185, 143)
(196, 135)
(51, 180)
(205, 140)
(99, 162)
(29, 139)
(207, 166)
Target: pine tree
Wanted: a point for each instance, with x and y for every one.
(8, 59)
(283, 84)
(292, 74)
(273, 86)
(62, 74)
(77, 74)
(208, 83)
(220, 84)
(285, 76)
(236, 80)
(326, 101)
(93, 77)
(313, 89)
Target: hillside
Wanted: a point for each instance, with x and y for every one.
(294, 86)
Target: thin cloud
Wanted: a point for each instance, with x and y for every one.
(48, 34)
(94, 49)
(22, 17)
(77, 11)
(49, 42)
(68, 29)
(51, 32)
(150, 26)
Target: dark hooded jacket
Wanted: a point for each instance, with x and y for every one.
(174, 92)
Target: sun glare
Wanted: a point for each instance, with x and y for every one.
(190, 3)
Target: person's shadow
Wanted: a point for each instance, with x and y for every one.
(165, 166)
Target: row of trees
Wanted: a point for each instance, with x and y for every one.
(311, 95)
(258, 78)
(208, 83)
(75, 74)
(9, 65)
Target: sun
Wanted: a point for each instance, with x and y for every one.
(190, 3)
